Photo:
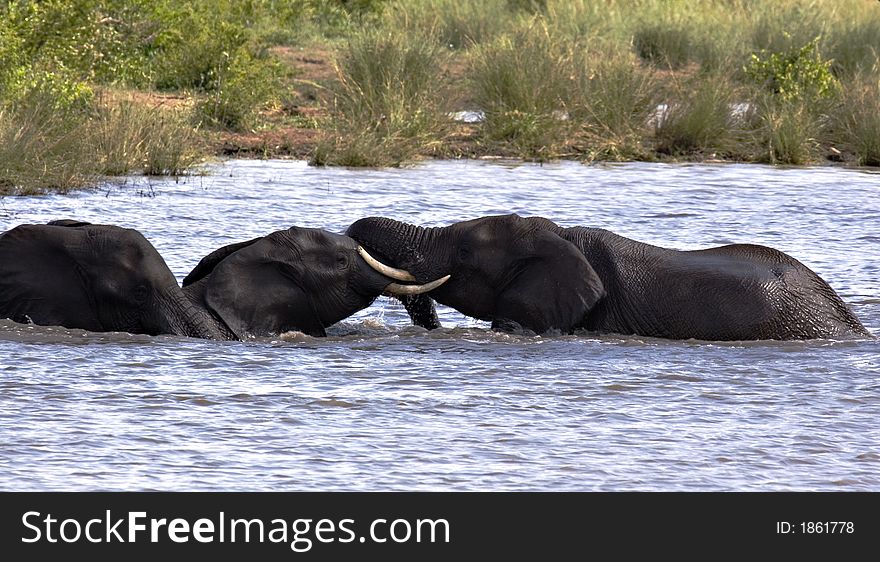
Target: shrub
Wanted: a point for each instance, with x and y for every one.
(796, 74)
(194, 54)
(104, 41)
(243, 84)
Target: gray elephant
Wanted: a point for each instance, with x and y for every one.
(107, 278)
(529, 273)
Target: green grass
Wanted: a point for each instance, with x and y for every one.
(702, 118)
(389, 103)
(616, 97)
(522, 82)
(45, 149)
(856, 120)
(555, 78)
(41, 151)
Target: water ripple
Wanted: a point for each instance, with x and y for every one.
(382, 405)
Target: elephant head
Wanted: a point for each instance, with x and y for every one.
(513, 271)
(296, 279)
(94, 277)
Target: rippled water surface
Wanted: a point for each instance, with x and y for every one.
(381, 405)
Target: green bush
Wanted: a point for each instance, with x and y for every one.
(104, 41)
(196, 51)
(242, 85)
(796, 74)
(12, 65)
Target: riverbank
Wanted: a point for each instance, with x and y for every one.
(300, 129)
(97, 88)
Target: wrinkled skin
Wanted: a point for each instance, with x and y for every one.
(94, 277)
(107, 278)
(297, 279)
(529, 273)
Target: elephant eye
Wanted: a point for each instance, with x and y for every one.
(140, 294)
(341, 261)
(464, 253)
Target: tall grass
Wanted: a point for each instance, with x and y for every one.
(615, 99)
(786, 132)
(389, 103)
(522, 82)
(663, 44)
(44, 149)
(704, 116)
(855, 121)
(452, 23)
(853, 46)
(40, 151)
(126, 136)
(555, 78)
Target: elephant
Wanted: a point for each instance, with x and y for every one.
(108, 278)
(528, 273)
(303, 279)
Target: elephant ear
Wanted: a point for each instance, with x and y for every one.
(256, 293)
(554, 288)
(209, 262)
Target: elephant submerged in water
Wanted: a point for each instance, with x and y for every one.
(107, 278)
(530, 273)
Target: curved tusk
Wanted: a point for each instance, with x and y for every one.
(386, 270)
(397, 289)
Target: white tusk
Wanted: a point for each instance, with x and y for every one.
(397, 289)
(386, 270)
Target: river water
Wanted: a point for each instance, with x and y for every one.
(382, 405)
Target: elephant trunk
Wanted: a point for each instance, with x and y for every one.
(187, 318)
(406, 246)
(401, 245)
